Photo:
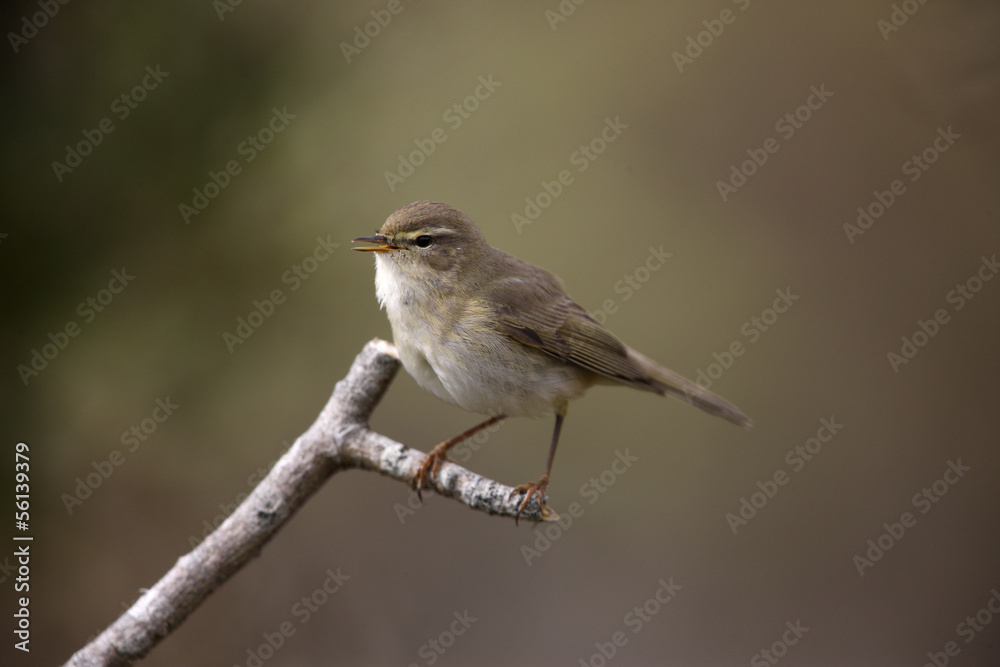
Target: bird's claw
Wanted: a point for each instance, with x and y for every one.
(427, 470)
(530, 490)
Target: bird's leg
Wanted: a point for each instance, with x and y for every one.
(433, 461)
(538, 488)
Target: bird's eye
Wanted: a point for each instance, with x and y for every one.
(424, 241)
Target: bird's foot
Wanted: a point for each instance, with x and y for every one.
(531, 490)
(429, 468)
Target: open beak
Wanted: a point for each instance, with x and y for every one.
(382, 242)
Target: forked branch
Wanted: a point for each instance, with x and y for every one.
(339, 439)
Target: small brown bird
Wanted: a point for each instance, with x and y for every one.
(492, 334)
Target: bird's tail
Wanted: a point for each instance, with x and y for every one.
(666, 382)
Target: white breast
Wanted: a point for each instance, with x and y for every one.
(471, 377)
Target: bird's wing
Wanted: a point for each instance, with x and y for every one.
(537, 312)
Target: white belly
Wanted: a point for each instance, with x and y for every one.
(489, 386)
(527, 384)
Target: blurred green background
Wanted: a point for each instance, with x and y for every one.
(683, 125)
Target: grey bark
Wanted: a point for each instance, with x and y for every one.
(340, 439)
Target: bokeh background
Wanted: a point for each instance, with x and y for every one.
(350, 116)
